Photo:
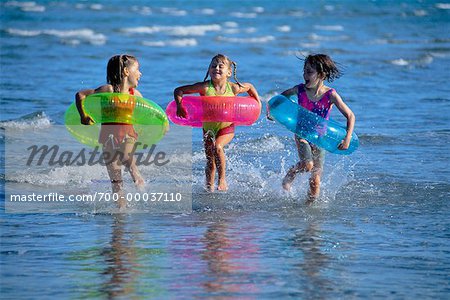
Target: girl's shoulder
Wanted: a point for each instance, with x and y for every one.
(106, 88)
(137, 93)
(333, 94)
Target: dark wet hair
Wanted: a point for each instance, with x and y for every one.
(324, 65)
(114, 70)
(224, 59)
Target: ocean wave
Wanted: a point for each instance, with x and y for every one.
(400, 62)
(175, 43)
(442, 5)
(86, 35)
(237, 30)
(310, 45)
(206, 11)
(329, 27)
(377, 139)
(254, 40)
(194, 30)
(29, 6)
(231, 24)
(36, 120)
(258, 9)
(420, 62)
(316, 37)
(74, 176)
(143, 10)
(284, 28)
(244, 15)
(265, 144)
(173, 11)
(420, 13)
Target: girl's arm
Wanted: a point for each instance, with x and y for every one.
(290, 92)
(81, 95)
(199, 87)
(246, 88)
(348, 113)
(287, 93)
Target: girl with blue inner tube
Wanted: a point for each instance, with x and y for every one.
(318, 98)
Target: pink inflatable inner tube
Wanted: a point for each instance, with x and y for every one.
(239, 110)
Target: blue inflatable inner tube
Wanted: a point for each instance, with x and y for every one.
(326, 134)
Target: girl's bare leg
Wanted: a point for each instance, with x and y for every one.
(210, 168)
(221, 142)
(129, 161)
(115, 173)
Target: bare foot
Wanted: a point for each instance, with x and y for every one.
(223, 186)
(140, 184)
(310, 199)
(209, 188)
(289, 178)
(122, 203)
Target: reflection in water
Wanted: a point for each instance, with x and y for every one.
(231, 260)
(121, 262)
(314, 264)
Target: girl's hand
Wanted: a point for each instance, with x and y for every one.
(181, 111)
(268, 116)
(86, 120)
(344, 144)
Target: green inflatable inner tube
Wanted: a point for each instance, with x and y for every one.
(148, 118)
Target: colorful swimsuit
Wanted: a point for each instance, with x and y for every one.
(309, 152)
(117, 133)
(218, 128)
(321, 107)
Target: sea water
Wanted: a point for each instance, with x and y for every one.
(381, 226)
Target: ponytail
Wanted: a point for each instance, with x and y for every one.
(115, 68)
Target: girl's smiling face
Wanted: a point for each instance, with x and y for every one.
(134, 74)
(219, 69)
(311, 76)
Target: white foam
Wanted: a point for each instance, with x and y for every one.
(379, 42)
(329, 27)
(258, 9)
(174, 11)
(86, 35)
(297, 53)
(268, 143)
(145, 10)
(21, 32)
(230, 31)
(176, 43)
(194, 30)
(310, 45)
(206, 11)
(29, 6)
(284, 28)
(420, 13)
(244, 15)
(316, 37)
(443, 5)
(231, 24)
(400, 62)
(96, 6)
(39, 121)
(254, 40)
